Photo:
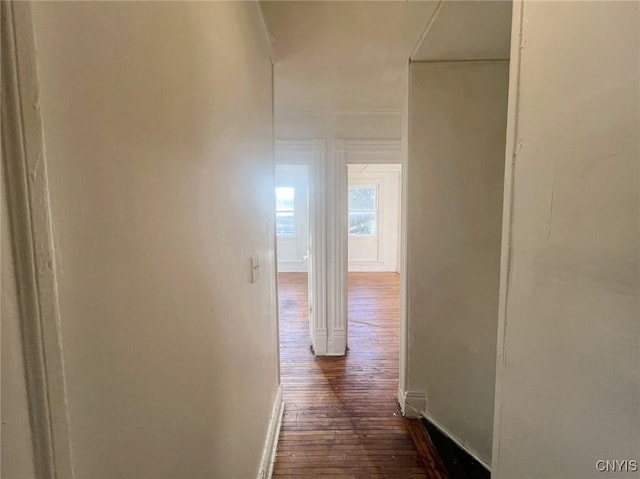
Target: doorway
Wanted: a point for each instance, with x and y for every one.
(293, 253)
(373, 261)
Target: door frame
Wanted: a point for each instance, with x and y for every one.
(311, 153)
(24, 171)
(328, 233)
(345, 152)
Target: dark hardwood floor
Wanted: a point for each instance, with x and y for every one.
(341, 418)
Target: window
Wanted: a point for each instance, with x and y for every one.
(285, 212)
(362, 210)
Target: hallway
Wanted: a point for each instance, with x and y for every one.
(143, 203)
(341, 417)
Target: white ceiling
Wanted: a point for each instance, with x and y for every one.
(349, 55)
(466, 30)
(342, 55)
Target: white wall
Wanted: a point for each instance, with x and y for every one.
(293, 251)
(568, 389)
(158, 129)
(381, 252)
(375, 124)
(17, 450)
(455, 182)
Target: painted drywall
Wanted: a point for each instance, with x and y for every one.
(342, 55)
(380, 252)
(15, 434)
(369, 124)
(455, 180)
(467, 29)
(293, 250)
(158, 129)
(568, 391)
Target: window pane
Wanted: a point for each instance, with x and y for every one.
(284, 199)
(362, 198)
(285, 224)
(362, 224)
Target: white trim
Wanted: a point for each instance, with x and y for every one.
(359, 151)
(412, 403)
(373, 171)
(320, 342)
(460, 444)
(336, 344)
(318, 245)
(371, 266)
(25, 164)
(507, 220)
(275, 305)
(377, 212)
(273, 434)
(403, 264)
(372, 146)
(337, 255)
(292, 266)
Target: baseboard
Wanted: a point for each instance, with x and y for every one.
(412, 403)
(370, 267)
(319, 345)
(337, 346)
(424, 415)
(292, 267)
(271, 442)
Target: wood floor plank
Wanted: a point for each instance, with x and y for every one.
(341, 418)
(426, 449)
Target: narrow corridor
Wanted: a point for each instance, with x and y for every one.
(341, 417)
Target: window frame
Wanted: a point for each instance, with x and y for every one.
(291, 211)
(374, 210)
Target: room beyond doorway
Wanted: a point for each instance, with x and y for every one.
(373, 252)
(292, 239)
(373, 201)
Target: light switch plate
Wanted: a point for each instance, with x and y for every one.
(255, 268)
